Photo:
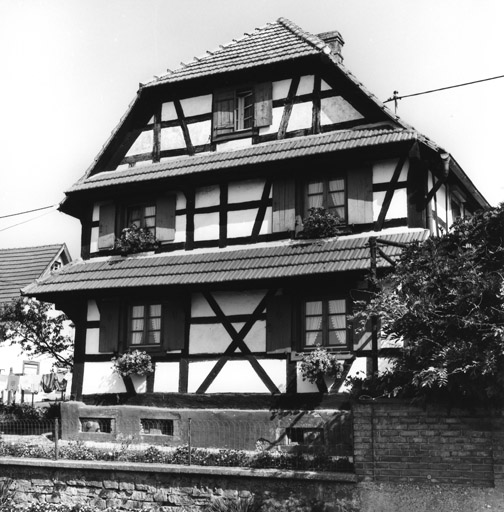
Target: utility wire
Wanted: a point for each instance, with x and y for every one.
(28, 211)
(25, 221)
(396, 96)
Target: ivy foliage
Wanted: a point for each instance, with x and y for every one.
(38, 330)
(445, 302)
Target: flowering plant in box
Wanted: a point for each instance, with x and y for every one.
(135, 239)
(320, 363)
(133, 363)
(320, 224)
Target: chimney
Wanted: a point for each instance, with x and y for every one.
(335, 42)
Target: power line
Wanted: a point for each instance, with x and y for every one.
(396, 96)
(28, 211)
(25, 221)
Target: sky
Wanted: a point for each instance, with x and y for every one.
(70, 68)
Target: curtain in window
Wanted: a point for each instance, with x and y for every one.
(337, 322)
(154, 323)
(315, 194)
(336, 197)
(313, 323)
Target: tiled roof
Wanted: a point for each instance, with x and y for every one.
(275, 42)
(292, 259)
(19, 267)
(260, 153)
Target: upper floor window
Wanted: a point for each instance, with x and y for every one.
(237, 111)
(328, 193)
(145, 324)
(325, 323)
(143, 216)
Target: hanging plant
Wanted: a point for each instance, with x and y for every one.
(135, 239)
(319, 223)
(133, 363)
(320, 363)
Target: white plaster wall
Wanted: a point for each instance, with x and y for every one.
(207, 196)
(358, 369)
(100, 378)
(200, 133)
(166, 377)
(324, 86)
(93, 243)
(303, 386)
(241, 222)
(249, 190)
(383, 170)
(231, 145)
(96, 212)
(93, 341)
(168, 112)
(197, 105)
(214, 339)
(180, 228)
(206, 226)
(280, 89)
(337, 110)
(441, 203)
(277, 113)
(398, 208)
(301, 116)
(172, 137)
(237, 376)
(181, 201)
(305, 85)
(143, 144)
(93, 313)
(231, 303)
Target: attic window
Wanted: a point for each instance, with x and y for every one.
(237, 111)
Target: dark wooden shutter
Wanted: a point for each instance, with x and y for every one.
(417, 193)
(263, 112)
(173, 325)
(360, 195)
(279, 324)
(106, 233)
(284, 206)
(165, 218)
(109, 326)
(223, 112)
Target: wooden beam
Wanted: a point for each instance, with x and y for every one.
(183, 125)
(261, 212)
(282, 129)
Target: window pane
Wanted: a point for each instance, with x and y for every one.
(337, 306)
(154, 337)
(315, 187)
(337, 185)
(314, 307)
(155, 310)
(137, 324)
(337, 322)
(336, 199)
(150, 211)
(313, 338)
(337, 338)
(137, 312)
(136, 338)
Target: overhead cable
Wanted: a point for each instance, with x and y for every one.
(28, 211)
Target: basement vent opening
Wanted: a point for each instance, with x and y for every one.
(157, 427)
(305, 436)
(96, 425)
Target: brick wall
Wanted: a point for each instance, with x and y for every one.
(396, 442)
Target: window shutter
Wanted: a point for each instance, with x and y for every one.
(173, 325)
(263, 113)
(284, 206)
(165, 218)
(106, 233)
(279, 324)
(224, 107)
(360, 195)
(109, 326)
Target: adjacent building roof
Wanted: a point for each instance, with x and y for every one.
(260, 153)
(19, 267)
(286, 260)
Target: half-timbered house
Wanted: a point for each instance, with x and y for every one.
(221, 160)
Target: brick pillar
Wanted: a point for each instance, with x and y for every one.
(498, 449)
(363, 441)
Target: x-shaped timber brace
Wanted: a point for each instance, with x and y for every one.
(238, 341)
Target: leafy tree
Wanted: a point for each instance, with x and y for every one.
(445, 301)
(37, 329)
